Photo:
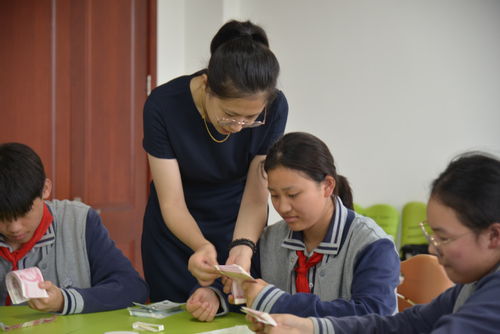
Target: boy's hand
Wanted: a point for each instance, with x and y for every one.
(203, 304)
(53, 303)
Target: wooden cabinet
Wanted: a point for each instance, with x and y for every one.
(72, 85)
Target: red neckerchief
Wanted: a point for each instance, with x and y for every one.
(15, 256)
(301, 282)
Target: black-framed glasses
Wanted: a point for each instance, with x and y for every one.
(435, 240)
(229, 121)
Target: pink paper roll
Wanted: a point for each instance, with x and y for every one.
(23, 285)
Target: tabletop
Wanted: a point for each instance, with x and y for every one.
(118, 320)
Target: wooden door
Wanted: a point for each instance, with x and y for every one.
(73, 89)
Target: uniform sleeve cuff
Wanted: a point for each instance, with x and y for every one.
(322, 326)
(223, 307)
(266, 298)
(73, 302)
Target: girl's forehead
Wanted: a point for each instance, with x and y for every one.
(443, 218)
(283, 177)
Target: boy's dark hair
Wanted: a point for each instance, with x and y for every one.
(470, 185)
(306, 153)
(22, 179)
(241, 63)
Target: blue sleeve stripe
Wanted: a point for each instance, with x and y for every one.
(322, 326)
(261, 299)
(74, 302)
(67, 302)
(266, 301)
(271, 299)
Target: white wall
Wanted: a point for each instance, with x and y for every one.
(395, 87)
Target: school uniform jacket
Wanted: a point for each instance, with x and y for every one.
(462, 309)
(358, 274)
(77, 255)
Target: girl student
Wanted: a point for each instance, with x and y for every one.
(322, 258)
(206, 135)
(463, 229)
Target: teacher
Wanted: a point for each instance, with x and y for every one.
(206, 135)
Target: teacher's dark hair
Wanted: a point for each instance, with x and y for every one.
(470, 186)
(241, 63)
(22, 178)
(306, 153)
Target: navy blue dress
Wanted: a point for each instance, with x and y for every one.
(213, 179)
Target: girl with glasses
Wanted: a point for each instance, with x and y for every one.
(322, 258)
(464, 216)
(206, 135)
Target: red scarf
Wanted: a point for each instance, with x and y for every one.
(301, 281)
(17, 255)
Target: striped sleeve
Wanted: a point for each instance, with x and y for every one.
(266, 298)
(73, 302)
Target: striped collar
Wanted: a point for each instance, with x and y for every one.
(332, 242)
(47, 239)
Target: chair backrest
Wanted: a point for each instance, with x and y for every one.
(359, 209)
(412, 214)
(386, 216)
(423, 280)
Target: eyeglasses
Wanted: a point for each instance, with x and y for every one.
(229, 121)
(433, 239)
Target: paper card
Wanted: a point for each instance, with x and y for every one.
(239, 329)
(238, 275)
(234, 271)
(7, 328)
(164, 305)
(22, 285)
(157, 310)
(146, 326)
(262, 317)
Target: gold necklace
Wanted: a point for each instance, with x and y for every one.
(211, 136)
(204, 115)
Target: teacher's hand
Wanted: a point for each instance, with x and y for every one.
(201, 264)
(240, 255)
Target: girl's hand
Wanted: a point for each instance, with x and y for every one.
(252, 290)
(201, 264)
(287, 324)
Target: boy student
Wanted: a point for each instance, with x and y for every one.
(323, 258)
(83, 270)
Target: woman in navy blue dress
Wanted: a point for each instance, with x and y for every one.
(206, 135)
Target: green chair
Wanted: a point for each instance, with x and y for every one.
(386, 216)
(412, 214)
(413, 241)
(359, 209)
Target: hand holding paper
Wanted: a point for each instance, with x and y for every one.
(53, 303)
(238, 275)
(201, 264)
(262, 317)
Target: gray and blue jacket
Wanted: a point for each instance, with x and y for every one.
(462, 309)
(358, 274)
(77, 255)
